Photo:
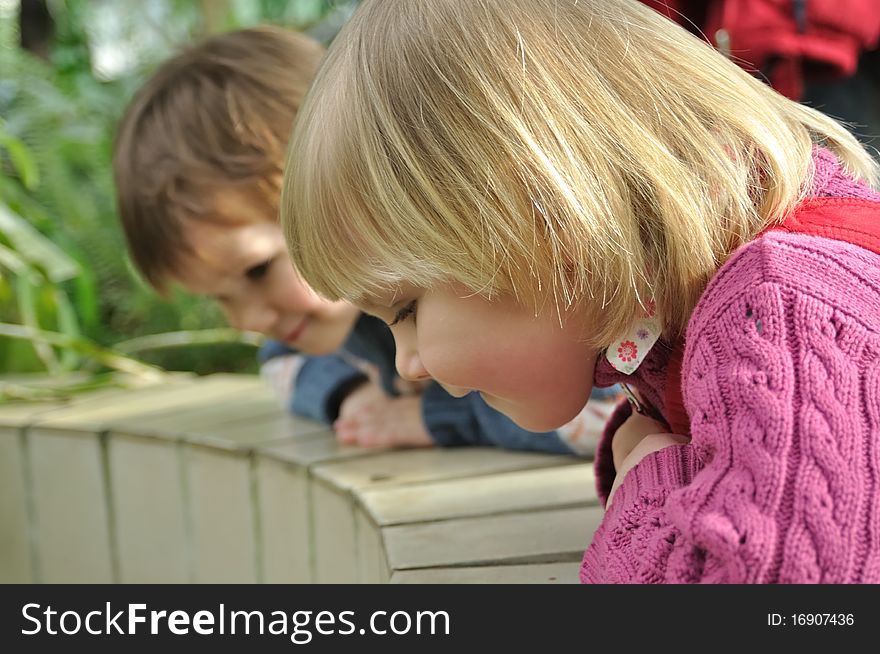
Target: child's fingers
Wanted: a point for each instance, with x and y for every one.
(346, 436)
(348, 430)
(357, 420)
(363, 433)
(372, 439)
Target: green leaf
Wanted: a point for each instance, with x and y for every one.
(25, 388)
(67, 324)
(13, 262)
(189, 338)
(22, 161)
(85, 347)
(86, 299)
(36, 248)
(27, 307)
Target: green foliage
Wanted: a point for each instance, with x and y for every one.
(33, 269)
(44, 332)
(68, 293)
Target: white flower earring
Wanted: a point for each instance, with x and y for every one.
(627, 352)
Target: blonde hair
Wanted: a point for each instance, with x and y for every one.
(216, 116)
(576, 150)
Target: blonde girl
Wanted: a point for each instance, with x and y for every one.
(540, 196)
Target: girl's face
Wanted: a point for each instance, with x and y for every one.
(532, 368)
(241, 261)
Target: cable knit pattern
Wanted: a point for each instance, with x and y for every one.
(780, 380)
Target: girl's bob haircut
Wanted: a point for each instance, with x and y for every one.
(567, 151)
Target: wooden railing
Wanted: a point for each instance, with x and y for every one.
(207, 480)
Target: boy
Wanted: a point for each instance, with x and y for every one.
(198, 166)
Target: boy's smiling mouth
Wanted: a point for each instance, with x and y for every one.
(298, 331)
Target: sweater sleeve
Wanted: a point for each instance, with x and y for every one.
(775, 485)
(308, 386)
(604, 460)
(469, 420)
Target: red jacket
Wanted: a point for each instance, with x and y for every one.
(787, 41)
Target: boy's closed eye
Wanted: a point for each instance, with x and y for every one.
(253, 273)
(258, 271)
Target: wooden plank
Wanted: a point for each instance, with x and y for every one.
(21, 414)
(225, 542)
(370, 552)
(99, 413)
(538, 573)
(15, 556)
(72, 532)
(539, 537)
(423, 465)
(545, 488)
(210, 401)
(260, 428)
(149, 510)
(275, 428)
(203, 414)
(284, 503)
(319, 447)
(387, 469)
(384, 569)
(335, 537)
(115, 402)
(333, 550)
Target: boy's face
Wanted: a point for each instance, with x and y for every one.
(241, 261)
(536, 371)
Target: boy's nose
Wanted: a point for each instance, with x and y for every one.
(410, 367)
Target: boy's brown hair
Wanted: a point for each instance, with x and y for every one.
(216, 116)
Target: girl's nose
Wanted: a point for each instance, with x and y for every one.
(410, 367)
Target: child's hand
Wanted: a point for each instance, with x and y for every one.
(377, 420)
(368, 394)
(630, 434)
(636, 438)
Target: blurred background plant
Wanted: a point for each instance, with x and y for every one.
(71, 304)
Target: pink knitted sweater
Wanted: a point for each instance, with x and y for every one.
(780, 379)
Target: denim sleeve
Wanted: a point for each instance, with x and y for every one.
(271, 349)
(321, 385)
(469, 420)
(450, 421)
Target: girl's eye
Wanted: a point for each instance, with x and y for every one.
(406, 312)
(255, 273)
